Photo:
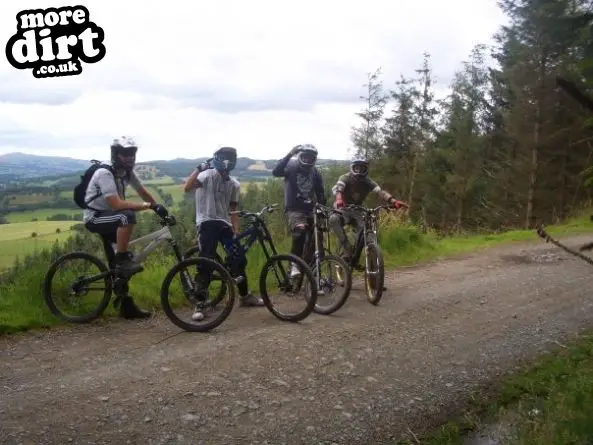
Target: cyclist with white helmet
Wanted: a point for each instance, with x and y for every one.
(217, 192)
(353, 188)
(303, 185)
(110, 215)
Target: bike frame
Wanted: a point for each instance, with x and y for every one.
(154, 239)
(256, 231)
(314, 232)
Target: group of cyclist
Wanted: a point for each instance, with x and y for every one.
(216, 195)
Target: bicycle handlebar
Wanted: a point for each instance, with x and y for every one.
(368, 210)
(326, 209)
(266, 209)
(168, 220)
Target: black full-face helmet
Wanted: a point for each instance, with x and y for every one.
(225, 159)
(307, 155)
(359, 167)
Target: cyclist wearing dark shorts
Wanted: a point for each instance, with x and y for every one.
(303, 185)
(353, 188)
(113, 217)
(217, 193)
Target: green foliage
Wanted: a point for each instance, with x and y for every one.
(505, 148)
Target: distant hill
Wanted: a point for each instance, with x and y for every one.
(21, 168)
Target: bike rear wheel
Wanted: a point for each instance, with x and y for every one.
(82, 270)
(374, 275)
(286, 284)
(193, 297)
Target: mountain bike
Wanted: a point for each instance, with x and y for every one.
(314, 253)
(367, 240)
(240, 245)
(80, 281)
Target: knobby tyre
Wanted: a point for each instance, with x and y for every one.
(342, 279)
(374, 274)
(194, 252)
(188, 266)
(60, 263)
(311, 300)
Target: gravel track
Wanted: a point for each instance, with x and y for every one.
(365, 375)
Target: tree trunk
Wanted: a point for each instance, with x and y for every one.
(564, 175)
(529, 217)
(412, 179)
(460, 213)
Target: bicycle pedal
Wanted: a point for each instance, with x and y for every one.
(239, 279)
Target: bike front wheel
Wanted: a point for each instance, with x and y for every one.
(334, 276)
(220, 292)
(285, 270)
(184, 295)
(374, 275)
(72, 279)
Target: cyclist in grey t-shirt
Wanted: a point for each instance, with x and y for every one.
(113, 217)
(216, 192)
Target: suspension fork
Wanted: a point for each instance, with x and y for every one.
(263, 236)
(370, 227)
(315, 243)
(365, 243)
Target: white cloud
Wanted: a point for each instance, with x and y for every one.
(262, 75)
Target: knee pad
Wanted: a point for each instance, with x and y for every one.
(299, 231)
(335, 220)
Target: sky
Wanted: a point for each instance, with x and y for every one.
(186, 77)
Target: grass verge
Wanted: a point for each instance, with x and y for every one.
(22, 306)
(547, 403)
(405, 245)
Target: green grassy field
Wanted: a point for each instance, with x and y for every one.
(30, 198)
(16, 240)
(23, 230)
(42, 214)
(175, 190)
(160, 180)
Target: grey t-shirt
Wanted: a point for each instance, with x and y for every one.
(214, 197)
(103, 181)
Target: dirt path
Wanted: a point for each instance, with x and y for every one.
(361, 376)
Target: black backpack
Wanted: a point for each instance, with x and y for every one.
(80, 189)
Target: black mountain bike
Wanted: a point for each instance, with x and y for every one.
(331, 272)
(240, 245)
(367, 241)
(79, 281)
